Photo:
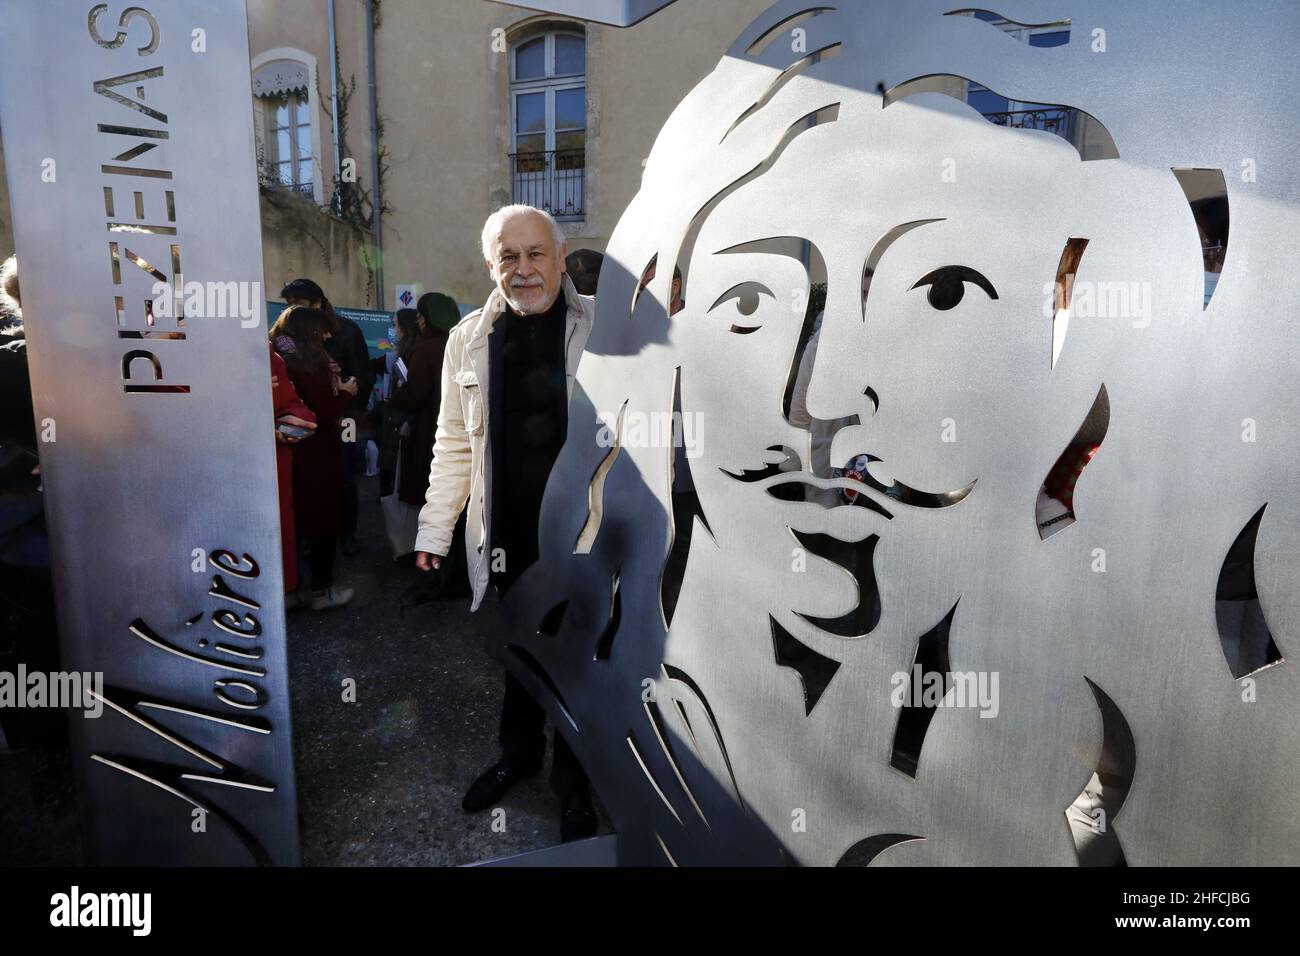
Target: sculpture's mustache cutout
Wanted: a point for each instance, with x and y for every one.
(769, 470)
(863, 499)
(897, 490)
(914, 496)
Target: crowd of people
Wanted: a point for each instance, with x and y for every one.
(332, 401)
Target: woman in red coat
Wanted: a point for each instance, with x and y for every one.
(299, 336)
(289, 410)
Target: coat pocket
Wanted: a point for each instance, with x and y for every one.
(471, 402)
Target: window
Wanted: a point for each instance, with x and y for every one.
(548, 106)
(999, 109)
(288, 141)
(286, 132)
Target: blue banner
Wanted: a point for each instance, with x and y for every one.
(376, 326)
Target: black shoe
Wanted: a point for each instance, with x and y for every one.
(577, 818)
(350, 547)
(426, 588)
(455, 585)
(494, 783)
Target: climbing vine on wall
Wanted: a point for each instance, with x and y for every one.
(349, 200)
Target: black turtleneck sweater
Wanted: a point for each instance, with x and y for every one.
(528, 420)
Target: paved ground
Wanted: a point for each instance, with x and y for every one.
(379, 780)
(38, 815)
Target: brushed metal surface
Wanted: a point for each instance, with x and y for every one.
(1114, 688)
(191, 761)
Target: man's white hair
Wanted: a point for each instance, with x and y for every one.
(494, 222)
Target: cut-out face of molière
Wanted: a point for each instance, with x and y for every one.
(934, 370)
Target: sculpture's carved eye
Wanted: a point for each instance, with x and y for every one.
(748, 297)
(948, 285)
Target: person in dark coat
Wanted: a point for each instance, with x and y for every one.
(28, 631)
(395, 421)
(583, 267)
(347, 347)
(420, 393)
(299, 336)
(436, 315)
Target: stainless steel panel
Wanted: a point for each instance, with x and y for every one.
(160, 484)
(1115, 692)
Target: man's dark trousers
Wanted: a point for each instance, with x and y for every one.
(522, 735)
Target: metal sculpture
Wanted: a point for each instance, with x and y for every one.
(1041, 612)
(130, 162)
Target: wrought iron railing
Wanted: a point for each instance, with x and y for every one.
(268, 177)
(553, 181)
(1050, 119)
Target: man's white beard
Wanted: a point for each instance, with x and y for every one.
(517, 304)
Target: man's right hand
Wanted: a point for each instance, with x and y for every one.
(427, 562)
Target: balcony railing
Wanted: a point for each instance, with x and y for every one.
(1051, 119)
(268, 177)
(553, 181)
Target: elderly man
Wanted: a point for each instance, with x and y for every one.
(507, 375)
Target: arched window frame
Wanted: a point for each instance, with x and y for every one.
(262, 124)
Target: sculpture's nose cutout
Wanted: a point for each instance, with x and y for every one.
(869, 267)
(805, 349)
